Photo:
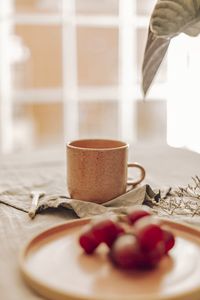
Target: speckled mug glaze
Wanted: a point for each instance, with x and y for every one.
(97, 169)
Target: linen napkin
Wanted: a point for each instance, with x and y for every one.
(21, 200)
(136, 196)
(18, 178)
(177, 203)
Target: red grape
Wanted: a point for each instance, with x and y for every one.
(142, 250)
(150, 259)
(125, 251)
(135, 215)
(149, 233)
(106, 231)
(88, 241)
(169, 240)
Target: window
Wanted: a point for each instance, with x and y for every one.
(72, 69)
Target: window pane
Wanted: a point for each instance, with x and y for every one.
(95, 119)
(37, 124)
(151, 120)
(145, 7)
(97, 7)
(38, 6)
(97, 56)
(39, 61)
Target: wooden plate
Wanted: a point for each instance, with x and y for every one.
(54, 265)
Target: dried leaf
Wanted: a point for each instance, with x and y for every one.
(193, 30)
(155, 51)
(169, 18)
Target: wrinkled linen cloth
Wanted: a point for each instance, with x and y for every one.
(18, 181)
(167, 169)
(22, 201)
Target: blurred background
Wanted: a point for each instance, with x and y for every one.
(72, 69)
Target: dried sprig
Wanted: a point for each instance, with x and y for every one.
(180, 201)
(191, 190)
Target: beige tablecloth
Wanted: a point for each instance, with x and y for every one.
(165, 167)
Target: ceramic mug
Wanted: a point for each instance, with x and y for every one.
(97, 169)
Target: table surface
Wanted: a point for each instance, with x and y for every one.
(165, 166)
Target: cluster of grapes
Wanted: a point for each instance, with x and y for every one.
(137, 242)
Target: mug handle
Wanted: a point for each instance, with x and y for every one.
(142, 173)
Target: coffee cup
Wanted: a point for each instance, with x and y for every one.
(97, 169)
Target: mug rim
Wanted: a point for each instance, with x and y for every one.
(121, 144)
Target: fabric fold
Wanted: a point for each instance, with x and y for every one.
(83, 209)
(182, 203)
(136, 196)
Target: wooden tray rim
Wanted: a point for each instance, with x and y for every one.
(55, 294)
